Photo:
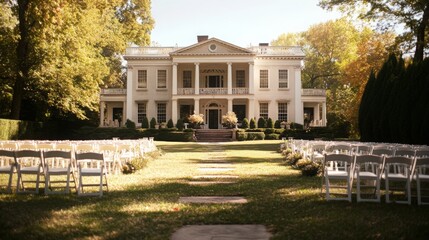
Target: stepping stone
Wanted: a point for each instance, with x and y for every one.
(214, 176)
(216, 165)
(209, 182)
(212, 199)
(222, 232)
(215, 169)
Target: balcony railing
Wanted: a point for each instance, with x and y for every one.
(213, 91)
(113, 91)
(185, 91)
(313, 92)
(278, 51)
(240, 91)
(150, 51)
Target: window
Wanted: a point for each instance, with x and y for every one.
(283, 78)
(263, 110)
(282, 112)
(162, 78)
(141, 79)
(263, 78)
(187, 79)
(239, 81)
(141, 112)
(162, 112)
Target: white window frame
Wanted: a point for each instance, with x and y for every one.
(237, 79)
(190, 79)
(141, 112)
(264, 86)
(157, 79)
(283, 82)
(279, 112)
(142, 83)
(264, 114)
(158, 113)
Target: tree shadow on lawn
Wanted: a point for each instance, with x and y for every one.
(291, 206)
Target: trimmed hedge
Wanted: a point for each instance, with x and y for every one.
(16, 129)
(255, 136)
(272, 136)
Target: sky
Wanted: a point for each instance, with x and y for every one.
(241, 22)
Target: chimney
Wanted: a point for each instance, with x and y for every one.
(264, 44)
(202, 38)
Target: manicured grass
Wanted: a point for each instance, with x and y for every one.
(145, 205)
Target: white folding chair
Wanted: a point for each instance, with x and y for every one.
(405, 151)
(344, 173)
(7, 166)
(421, 174)
(28, 162)
(317, 151)
(363, 149)
(113, 165)
(52, 169)
(365, 174)
(91, 165)
(391, 174)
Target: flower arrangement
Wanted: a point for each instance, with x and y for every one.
(196, 119)
(229, 120)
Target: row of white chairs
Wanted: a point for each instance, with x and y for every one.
(368, 163)
(31, 165)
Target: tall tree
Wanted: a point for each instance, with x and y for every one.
(66, 49)
(413, 15)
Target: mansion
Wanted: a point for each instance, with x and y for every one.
(213, 77)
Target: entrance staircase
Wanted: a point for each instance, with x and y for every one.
(214, 135)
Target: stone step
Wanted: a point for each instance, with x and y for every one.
(213, 199)
(203, 183)
(215, 176)
(222, 232)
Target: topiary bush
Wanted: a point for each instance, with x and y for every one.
(277, 124)
(152, 123)
(252, 123)
(180, 124)
(145, 122)
(245, 123)
(262, 123)
(255, 136)
(270, 123)
(170, 124)
(130, 124)
(241, 136)
(272, 136)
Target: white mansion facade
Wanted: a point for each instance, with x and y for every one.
(213, 77)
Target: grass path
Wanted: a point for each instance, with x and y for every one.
(145, 205)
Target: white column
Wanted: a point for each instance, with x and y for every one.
(324, 123)
(130, 89)
(197, 78)
(229, 78)
(124, 115)
(299, 109)
(229, 105)
(174, 78)
(174, 110)
(251, 109)
(102, 106)
(197, 106)
(251, 79)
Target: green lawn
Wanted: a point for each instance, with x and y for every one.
(145, 205)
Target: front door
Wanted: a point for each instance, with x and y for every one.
(213, 118)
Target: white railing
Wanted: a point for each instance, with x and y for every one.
(113, 91)
(278, 51)
(240, 91)
(185, 91)
(213, 91)
(152, 51)
(313, 92)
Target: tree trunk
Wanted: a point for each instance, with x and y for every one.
(420, 34)
(23, 66)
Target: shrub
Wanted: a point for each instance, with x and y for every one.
(287, 152)
(269, 131)
(241, 136)
(180, 125)
(130, 124)
(270, 123)
(255, 136)
(279, 131)
(255, 130)
(189, 130)
(170, 124)
(196, 119)
(272, 136)
(277, 124)
(152, 123)
(134, 165)
(245, 123)
(229, 120)
(311, 169)
(291, 159)
(252, 123)
(262, 123)
(145, 122)
(301, 163)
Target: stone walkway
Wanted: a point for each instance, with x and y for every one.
(217, 163)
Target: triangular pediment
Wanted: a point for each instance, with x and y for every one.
(212, 46)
